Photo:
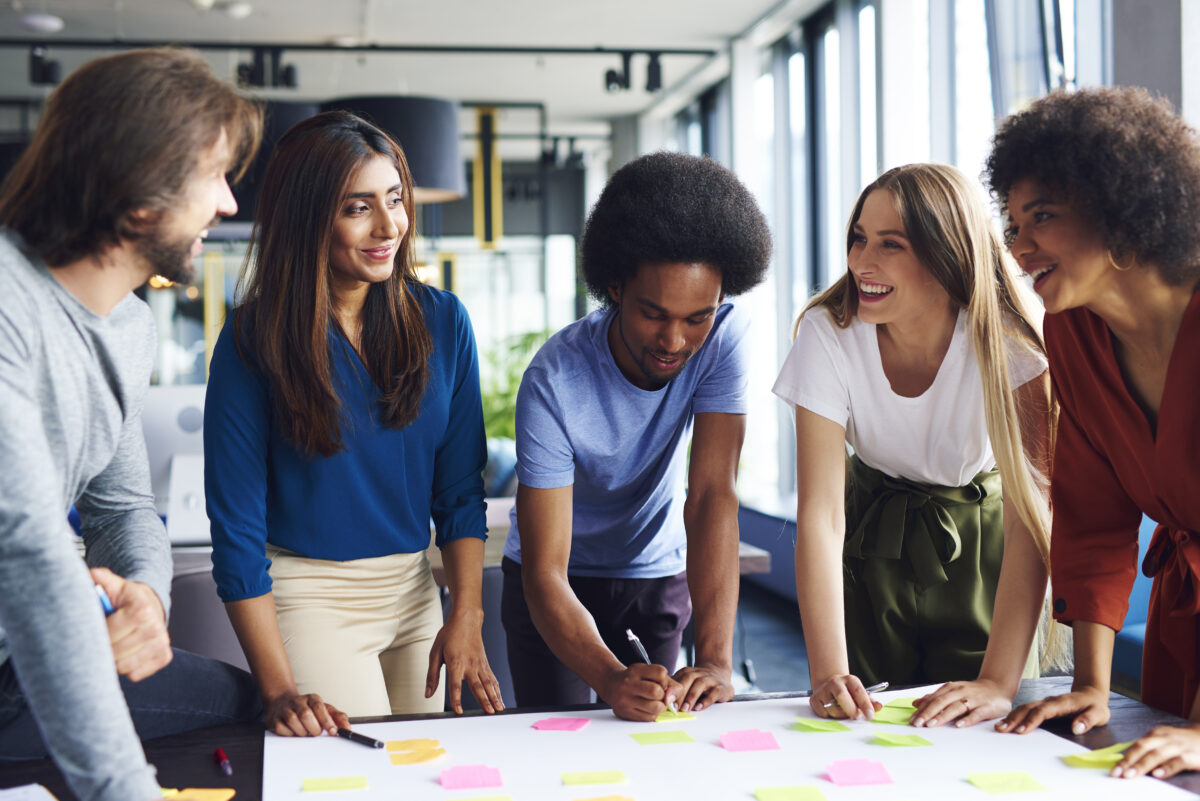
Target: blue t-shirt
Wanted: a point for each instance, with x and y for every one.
(581, 423)
(375, 497)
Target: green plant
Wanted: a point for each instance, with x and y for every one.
(508, 361)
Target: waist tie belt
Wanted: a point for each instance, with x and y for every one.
(902, 517)
(1174, 558)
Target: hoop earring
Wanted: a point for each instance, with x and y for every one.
(1116, 266)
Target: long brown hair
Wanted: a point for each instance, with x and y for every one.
(947, 224)
(122, 133)
(283, 326)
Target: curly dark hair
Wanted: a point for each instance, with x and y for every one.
(671, 207)
(1124, 157)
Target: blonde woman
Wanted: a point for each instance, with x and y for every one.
(926, 359)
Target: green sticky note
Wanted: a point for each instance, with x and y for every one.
(902, 740)
(667, 716)
(662, 737)
(788, 794)
(901, 703)
(897, 715)
(1106, 758)
(818, 725)
(1017, 781)
(335, 783)
(594, 777)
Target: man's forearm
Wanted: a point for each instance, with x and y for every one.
(568, 628)
(713, 574)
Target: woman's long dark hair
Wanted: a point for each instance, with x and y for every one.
(288, 308)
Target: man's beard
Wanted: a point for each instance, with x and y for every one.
(171, 260)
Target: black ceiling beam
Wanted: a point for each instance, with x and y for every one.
(301, 47)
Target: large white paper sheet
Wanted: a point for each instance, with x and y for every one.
(531, 762)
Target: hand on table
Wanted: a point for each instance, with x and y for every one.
(640, 692)
(459, 646)
(963, 703)
(850, 698)
(295, 715)
(1089, 705)
(137, 629)
(702, 687)
(1163, 752)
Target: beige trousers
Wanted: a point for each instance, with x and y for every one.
(358, 633)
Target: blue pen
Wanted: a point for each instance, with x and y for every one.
(105, 603)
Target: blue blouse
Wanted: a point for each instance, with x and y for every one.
(375, 497)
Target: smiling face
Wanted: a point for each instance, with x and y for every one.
(1057, 247)
(664, 314)
(369, 227)
(893, 285)
(177, 237)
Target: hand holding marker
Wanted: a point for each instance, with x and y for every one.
(641, 649)
(874, 688)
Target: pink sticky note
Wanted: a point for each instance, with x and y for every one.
(749, 740)
(561, 724)
(467, 777)
(858, 771)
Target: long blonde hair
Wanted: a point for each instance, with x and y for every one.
(946, 222)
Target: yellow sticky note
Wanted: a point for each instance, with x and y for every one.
(662, 737)
(594, 777)
(900, 740)
(1017, 781)
(1105, 758)
(788, 794)
(412, 752)
(667, 716)
(898, 716)
(199, 793)
(818, 725)
(334, 783)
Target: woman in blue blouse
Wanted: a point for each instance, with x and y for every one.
(343, 412)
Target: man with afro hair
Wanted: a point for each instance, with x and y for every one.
(605, 540)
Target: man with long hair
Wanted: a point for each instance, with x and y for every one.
(123, 178)
(605, 540)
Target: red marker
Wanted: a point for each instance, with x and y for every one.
(223, 761)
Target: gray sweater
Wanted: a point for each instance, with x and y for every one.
(72, 385)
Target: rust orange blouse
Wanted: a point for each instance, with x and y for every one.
(1110, 466)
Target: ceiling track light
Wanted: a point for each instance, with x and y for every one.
(615, 81)
(42, 71)
(653, 73)
(266, 68)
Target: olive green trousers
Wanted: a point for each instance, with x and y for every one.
(920, 573)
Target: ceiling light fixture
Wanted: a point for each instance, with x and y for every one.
(654, 73)
(41, 22)
(615, 81)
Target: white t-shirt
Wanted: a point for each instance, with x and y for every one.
(939, 437)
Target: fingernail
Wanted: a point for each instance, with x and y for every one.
(959, 723)
(1131, 773)
(1116, 773)
(1159, 772)
(933, 722)
(1021, 728)
(1077, 728)
(918, 721)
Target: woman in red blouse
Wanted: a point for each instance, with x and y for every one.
(1102, 192)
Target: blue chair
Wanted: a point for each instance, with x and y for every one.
(1127, 650)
